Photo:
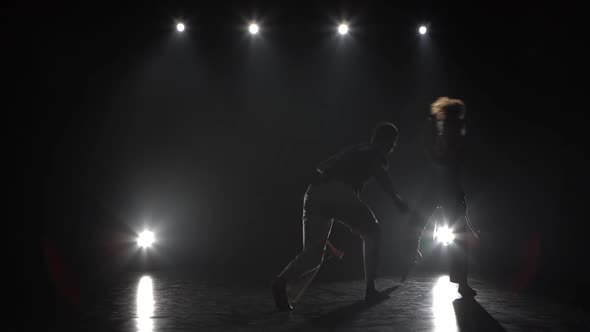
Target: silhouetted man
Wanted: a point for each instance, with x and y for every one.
(444, 144)
(334, 195)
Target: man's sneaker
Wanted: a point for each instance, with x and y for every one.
(279, 292)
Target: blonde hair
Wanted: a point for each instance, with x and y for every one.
(443, 106)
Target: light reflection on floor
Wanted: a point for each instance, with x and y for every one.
(443, 294)
(145, 304)
(180, 301)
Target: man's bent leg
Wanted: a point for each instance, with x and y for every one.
(315, 235)
(371, 235)
(302, 269)
(298, 287)
(361, 220)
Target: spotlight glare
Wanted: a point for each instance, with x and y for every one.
(180, 27)
(146, 239)
(422, 30)
(253, 28)
(444, 235)
(343, 29)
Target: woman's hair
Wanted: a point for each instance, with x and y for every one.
(445, 106)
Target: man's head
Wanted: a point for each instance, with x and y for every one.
(385, 136)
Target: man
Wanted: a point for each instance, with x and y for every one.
(334, 195)
(444, 143)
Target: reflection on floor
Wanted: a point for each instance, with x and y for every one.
(167, 301)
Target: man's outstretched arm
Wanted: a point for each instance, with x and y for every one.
(386, 184)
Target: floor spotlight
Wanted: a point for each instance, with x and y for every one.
(444, 235)
(146, 239)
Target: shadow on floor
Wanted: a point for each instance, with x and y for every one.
(471, 316)
(347, 313)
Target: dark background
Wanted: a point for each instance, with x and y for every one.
(207, 136)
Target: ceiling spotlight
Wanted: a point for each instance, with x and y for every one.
(253, 28)
(422, 30)
(343, 29)
(180, 27)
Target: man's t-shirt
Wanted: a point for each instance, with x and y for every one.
(354, 165)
